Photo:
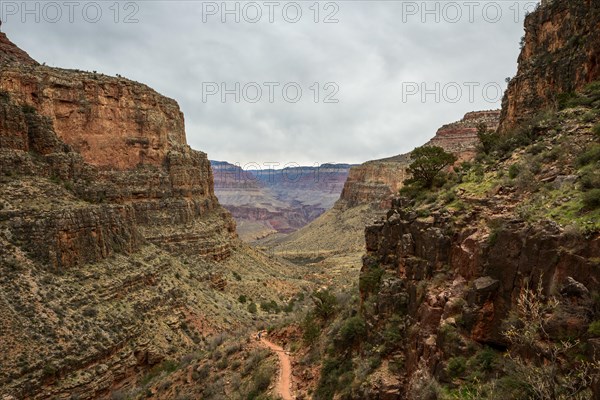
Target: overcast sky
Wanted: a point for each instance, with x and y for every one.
(375, 61)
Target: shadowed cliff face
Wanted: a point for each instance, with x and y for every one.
(560, 54)
(457, 273)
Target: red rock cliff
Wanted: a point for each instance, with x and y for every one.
(560, 54)
(132, 151)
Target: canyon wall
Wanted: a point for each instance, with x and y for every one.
(560, 54)
(112, 241)
(457, 283)
(369, 190)
(132, 144)
(455, 275)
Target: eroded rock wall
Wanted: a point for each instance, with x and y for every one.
(560, 54)
(445, 276)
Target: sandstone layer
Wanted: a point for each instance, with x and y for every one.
(370, 188)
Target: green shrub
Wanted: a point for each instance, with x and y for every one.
(242, 299)
(352, 332)
(514, 171)
(370, 280)
(28, 109)
(237, 276)
(488, 139)
(590, 156)
(325, 304)
(596, 130)
(485, 359)
(591, 199)
(589, 178)
(456, 366)
(270, 307)
(252, 308)
(552, 155)
(589, 116)
(427, 165)
(310, 329)
(394, 333)
(261, 380)
(594, 328)
(333, 372)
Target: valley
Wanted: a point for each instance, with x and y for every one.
(134, 267)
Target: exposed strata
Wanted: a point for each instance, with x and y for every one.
(107, 269)
(560, 54)
(369, 190)
(265, 202)
(456, 275)
(115, 141)
(481, 285)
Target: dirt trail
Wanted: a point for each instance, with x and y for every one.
(284, 383)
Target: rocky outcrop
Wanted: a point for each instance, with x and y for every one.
(10, 54)
(369, 190)
(375, 182)
(436, 272)
(111, 141)
(460, 138)
(560, 54)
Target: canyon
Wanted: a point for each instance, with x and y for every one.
(369, 190)
(123, 272)
(277, 201)
(116, 255)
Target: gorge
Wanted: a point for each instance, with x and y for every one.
(124, 274)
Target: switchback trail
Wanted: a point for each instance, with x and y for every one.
(284, 382)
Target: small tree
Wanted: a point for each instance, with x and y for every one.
(428, 163)
(487, 138)
(325, 304)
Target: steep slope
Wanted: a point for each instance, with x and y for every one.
(369, 189)
(493, 283)
(115, 254)
(462, 271)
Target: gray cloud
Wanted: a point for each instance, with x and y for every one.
(369, 54)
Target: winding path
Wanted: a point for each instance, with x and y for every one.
(284, 383)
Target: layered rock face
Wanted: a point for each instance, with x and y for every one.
(111, 237)
(560, 54)
(126, 144)
(460, 138)
(376, 181)
(453, 276)
(265, 202)
(369, 190)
